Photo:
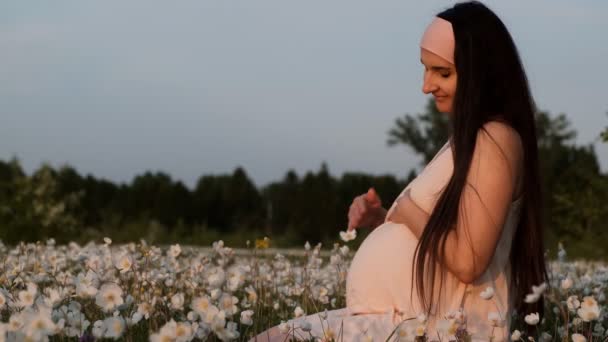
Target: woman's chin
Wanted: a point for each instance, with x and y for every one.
(442, 107)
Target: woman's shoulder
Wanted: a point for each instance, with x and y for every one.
(502, 133)
(501, 139)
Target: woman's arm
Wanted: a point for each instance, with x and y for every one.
(484, 204)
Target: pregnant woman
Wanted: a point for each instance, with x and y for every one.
(462, 243)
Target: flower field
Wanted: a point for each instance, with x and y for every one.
(139, 292)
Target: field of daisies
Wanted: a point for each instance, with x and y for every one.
(140, 292)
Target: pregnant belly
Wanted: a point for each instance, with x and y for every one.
(380, 274)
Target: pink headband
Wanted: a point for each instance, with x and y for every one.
(439, 39)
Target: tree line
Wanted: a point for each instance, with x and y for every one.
(68, 206)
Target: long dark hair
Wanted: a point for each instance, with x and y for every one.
(491, 86)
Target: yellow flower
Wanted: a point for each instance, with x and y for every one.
(262, 243)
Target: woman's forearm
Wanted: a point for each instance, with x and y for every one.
(457, 259)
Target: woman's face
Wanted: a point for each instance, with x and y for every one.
(439, 79)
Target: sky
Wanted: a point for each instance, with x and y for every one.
(116, 88)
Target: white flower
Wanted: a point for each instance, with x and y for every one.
(246, 317)
(217, 278)
(298, 312)
(420, 330)
(516, 335)
(94, 262)
(166, 333)
(77, 322)
(488, 293)
(227, 303)
(15, 322)
(344, 250)
(421, 318)
(124, 263)
(532, 319)
(53, 296)
(578, 338)
(236, 277)
(215, 294)
(109, 297)
(573, 303)
(135, 318)
(214, 317)
(27, 297)
(307, 246)
(192, 316)
(589, 302)
(38, 324)
(174, 251)
(252, 296)
(348, 235)
(144, 309)
(567, 283)
(457, 316)
(495, 319)
(218, 246)
(539, 289)
(283, 327)
(183, 332)
(197, 266)
(107, 240)
(177, 301)
(589, 309)
(200, 305)
(228, 333)
(532, 298)
(98, 329)
(86, 285)
(537, 292)
(114, 327)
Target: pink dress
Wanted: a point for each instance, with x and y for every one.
(379, 278)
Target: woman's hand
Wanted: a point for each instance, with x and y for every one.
(366, 211)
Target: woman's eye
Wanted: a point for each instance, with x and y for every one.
(445, 75)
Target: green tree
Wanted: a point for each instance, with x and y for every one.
(604, 134)
(156, 196)
(36, 209)
(281, 198)
(425, 133)
(227, 202)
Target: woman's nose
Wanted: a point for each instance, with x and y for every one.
(427, 85)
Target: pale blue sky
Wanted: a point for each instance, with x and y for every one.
(115, 88)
